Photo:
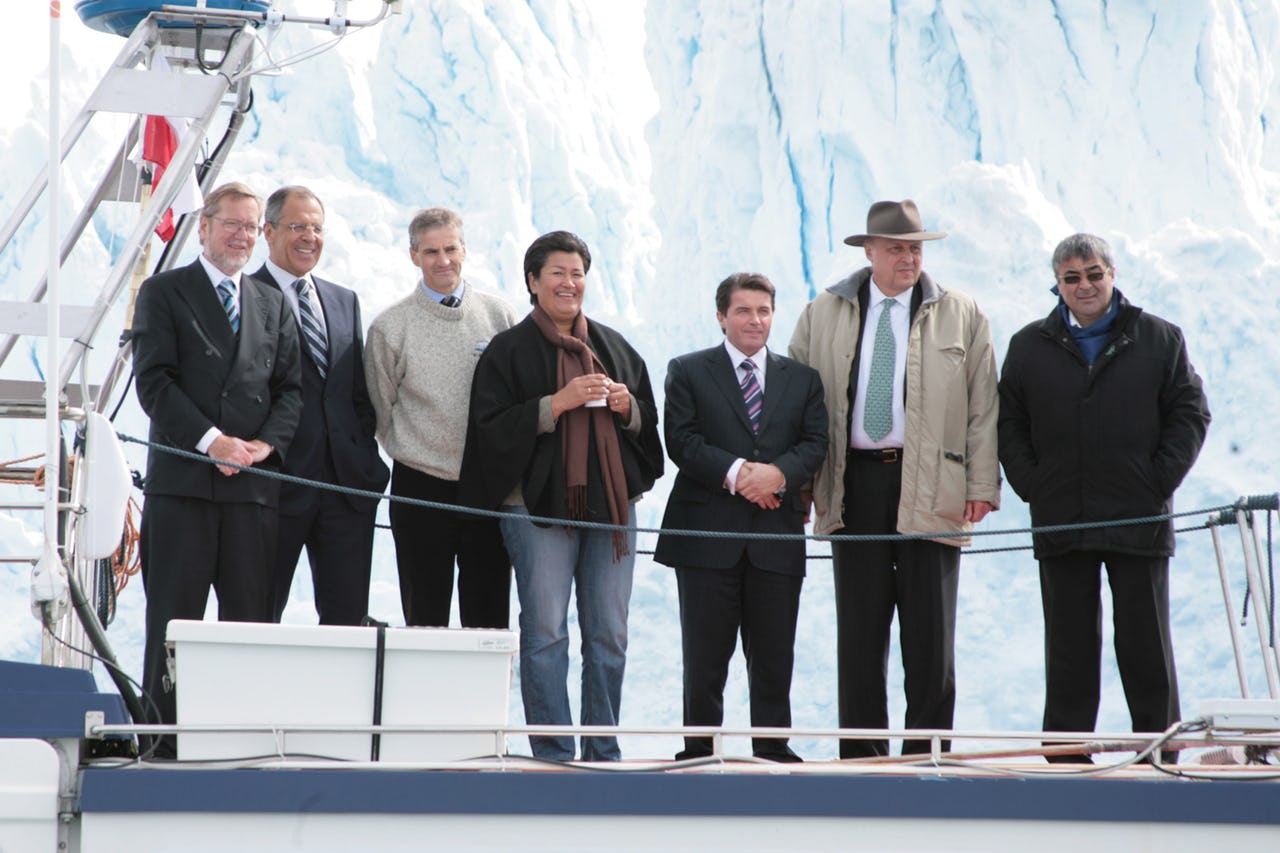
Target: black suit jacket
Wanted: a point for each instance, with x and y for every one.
(707, 428)
(337, 416)
(194, 373)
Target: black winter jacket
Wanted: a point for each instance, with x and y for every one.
(1110, 441)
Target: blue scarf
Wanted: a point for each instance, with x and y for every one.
(1090, 339)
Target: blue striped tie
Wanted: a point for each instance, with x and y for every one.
(227, 292)
(751, 393)
(312, 331)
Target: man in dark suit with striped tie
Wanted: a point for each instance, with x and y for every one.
(216, 359)
(747, 429)
(335, 439)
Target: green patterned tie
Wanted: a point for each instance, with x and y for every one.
(877, 412)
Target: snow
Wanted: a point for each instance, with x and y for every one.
(687, 140)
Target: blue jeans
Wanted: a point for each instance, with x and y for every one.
(548, 562)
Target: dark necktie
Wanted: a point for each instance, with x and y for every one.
(312, 331)
(451, 301)
(752, 394)
(227, 293)
(877, 411)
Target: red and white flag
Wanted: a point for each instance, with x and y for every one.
(160, 140)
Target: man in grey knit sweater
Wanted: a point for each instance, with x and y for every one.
(420, 356)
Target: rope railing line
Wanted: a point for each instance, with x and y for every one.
(967, 551)
(1256, 501)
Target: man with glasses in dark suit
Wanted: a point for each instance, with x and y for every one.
(335, 438)
(216, 358)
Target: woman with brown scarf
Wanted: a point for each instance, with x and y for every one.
(564, 426)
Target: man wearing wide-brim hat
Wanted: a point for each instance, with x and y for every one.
(912, 418)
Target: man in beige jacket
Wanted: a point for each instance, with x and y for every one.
(912, 411)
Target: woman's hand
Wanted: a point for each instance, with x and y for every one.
(619, 401)
(581, 391)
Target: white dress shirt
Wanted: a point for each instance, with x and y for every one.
(217, 276)
(736, 357)
(437, 296)
(286, 280)
(900, 320)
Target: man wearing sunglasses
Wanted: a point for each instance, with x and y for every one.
(1101, 416)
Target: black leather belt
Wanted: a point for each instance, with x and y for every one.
(885, 454)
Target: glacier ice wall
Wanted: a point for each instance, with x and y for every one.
(687, 140)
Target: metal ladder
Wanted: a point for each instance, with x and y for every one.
(208, 58)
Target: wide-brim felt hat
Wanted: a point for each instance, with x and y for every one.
(896, 220)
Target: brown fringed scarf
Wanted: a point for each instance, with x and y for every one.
(576, 358)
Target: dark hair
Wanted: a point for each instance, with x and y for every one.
(535, 257)
(276, 202)
(234, 191)
(1084, 247)
(742, 281)
(434, 217)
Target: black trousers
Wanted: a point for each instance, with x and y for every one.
(339, 543)
(428, 541)
(1070, 591)
(717, 604)
(918, 579)
(188, 546)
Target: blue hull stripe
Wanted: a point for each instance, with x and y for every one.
(656, 794)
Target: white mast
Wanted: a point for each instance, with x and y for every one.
(49, 580)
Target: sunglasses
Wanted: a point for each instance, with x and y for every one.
(1073, 278)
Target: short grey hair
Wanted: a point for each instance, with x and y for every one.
(434, 217)
(233, 190)
(1084, 247)
(276, 202)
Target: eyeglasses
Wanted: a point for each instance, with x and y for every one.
(1073, 278)
(234, 226)
(303, 228)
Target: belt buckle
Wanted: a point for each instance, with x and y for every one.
(891, 454)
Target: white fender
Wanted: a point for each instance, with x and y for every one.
(106, 494)
(49, 587)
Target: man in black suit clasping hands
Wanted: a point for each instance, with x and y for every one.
(216, 358)
(747, 429)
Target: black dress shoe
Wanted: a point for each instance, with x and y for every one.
(688, 754)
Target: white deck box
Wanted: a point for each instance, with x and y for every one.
(242, 673)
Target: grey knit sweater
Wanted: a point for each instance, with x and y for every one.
(418, 361)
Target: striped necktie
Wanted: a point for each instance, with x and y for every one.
(751, 393)
(877, 412)
(227, 293)
(312, 330)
